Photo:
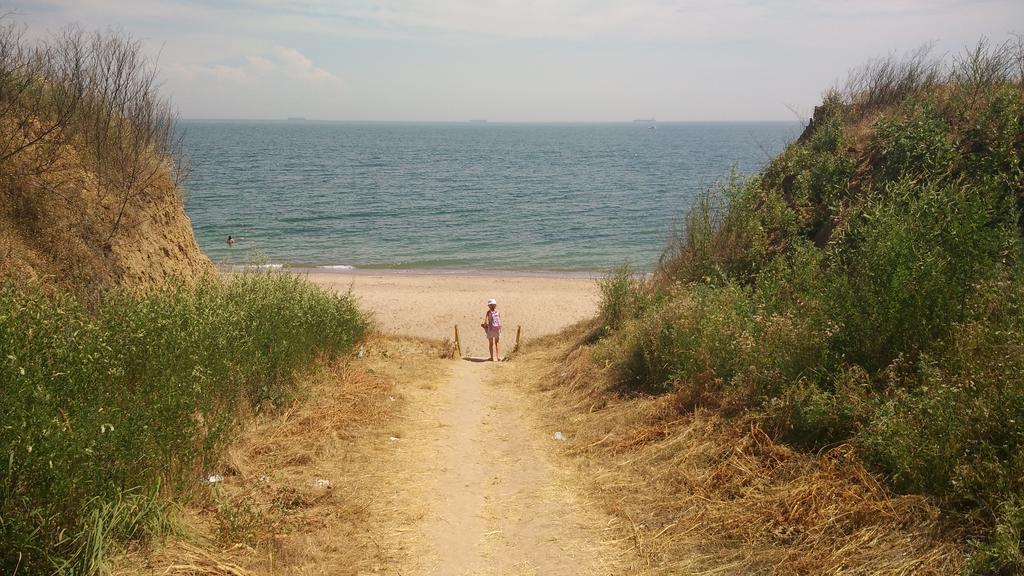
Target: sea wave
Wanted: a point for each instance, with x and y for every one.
(337, 267)
(402, 196)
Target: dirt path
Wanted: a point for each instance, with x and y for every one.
(492, 498)
(399, 464)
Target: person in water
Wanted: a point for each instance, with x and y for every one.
(492, 326)
(231, 241)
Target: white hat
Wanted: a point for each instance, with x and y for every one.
(492, 301)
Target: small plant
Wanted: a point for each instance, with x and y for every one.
(239, 519)
(1004, 552)
(623, 296)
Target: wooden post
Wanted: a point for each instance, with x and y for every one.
(458, 343)
(519, 333)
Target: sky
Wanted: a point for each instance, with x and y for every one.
(519, 60)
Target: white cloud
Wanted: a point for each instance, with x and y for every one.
(278, 64)
(297, 65)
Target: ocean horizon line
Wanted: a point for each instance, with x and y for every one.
(486, 122)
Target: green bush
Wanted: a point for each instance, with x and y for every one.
(956, 430)
(916, 145)
(624, 297)
(691, 334)
(104, 407)
(729, 234)
(900, 278)
(1003, 553)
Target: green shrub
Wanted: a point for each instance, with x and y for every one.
(814, 177)
(956, 431)
(730, 232)
(624, 296)
(1003, 553)
(916, 145)
(809, 416)
(101, 407)
(909, 263)
(687, 334)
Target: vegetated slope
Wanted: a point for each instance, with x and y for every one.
(89, 167)
(71, 240)
(865, 288)
(125, 369)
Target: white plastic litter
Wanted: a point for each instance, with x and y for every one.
(559, 436)
(362, 351)
(214, 479)
(264, 479)
(393, 438)
(322, 483)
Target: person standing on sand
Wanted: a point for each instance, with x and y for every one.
(492, 326)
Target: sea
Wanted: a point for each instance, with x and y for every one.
(474, 196)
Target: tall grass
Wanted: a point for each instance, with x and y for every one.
(104, 408)
(866, 287)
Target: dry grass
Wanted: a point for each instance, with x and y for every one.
(193, 561)
(708, 495)
(271, 515)
(54, 228)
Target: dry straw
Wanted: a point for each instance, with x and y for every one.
(298, 489)
(708, 495)
(194, 561)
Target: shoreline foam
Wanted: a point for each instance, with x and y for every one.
(345, 269)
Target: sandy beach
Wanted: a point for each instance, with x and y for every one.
(430, 305)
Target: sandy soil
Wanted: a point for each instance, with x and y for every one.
(429, 306)
(486, 491)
